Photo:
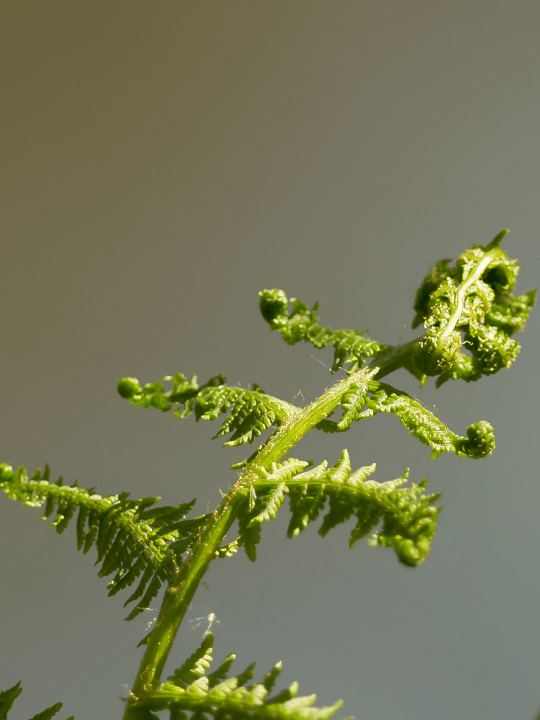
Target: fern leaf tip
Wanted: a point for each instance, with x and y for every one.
(480, 441)
(6, 472)
(128, 387)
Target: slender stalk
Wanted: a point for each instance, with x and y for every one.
(463, 290)
(298, 424)
(177, 599)
(395, 357)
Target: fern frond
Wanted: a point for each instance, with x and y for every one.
(250, 412)
(426, 426)
(470, 304)
(7, 697)
(214, 695)
(373, 397)
(350, 346)
(407, 514)
(133, 539)
(352, 404)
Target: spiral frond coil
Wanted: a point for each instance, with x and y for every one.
(470, 305)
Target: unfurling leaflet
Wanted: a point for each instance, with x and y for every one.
(408, 515)
(250, 412)
(351, 347)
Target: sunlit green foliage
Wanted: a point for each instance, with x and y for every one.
(407, 514)
(134, 540)
(469, 315)
(471, 305)
(351, 347)
(250, 412)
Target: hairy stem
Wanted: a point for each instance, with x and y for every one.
(177, 599)
(464, 288)
(297, 425)
(394, 358)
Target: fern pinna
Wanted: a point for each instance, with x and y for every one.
(470, 316)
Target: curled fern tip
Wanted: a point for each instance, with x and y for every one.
(128, 387)
(273, 303)
(480, 441)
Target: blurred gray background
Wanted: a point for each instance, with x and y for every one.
(164, 161)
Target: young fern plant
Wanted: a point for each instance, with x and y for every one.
(470, 317)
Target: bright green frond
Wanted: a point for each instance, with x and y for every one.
(196, 664)
(249, 412)
(426, 426)
(350, 346)
(49, 713)
(190, 692)
(133, 539)
(470, 305)
(408, 515)
(365, 401)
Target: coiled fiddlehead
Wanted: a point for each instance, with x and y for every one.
(470, 305)
(426, 426)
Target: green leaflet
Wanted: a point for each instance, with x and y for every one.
(351, 347)
(424, 425)
(133, 539)
(250, 412)
(407, 514)
(363, 402)
(49, 713)
(472, 305)
(215, 695)
(196, 664)
(7, 697)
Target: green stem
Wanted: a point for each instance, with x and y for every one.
(177, 599)
(395, 358)
(299, 423)
(464, 288)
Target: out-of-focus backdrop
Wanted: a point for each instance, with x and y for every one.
(163, 162)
